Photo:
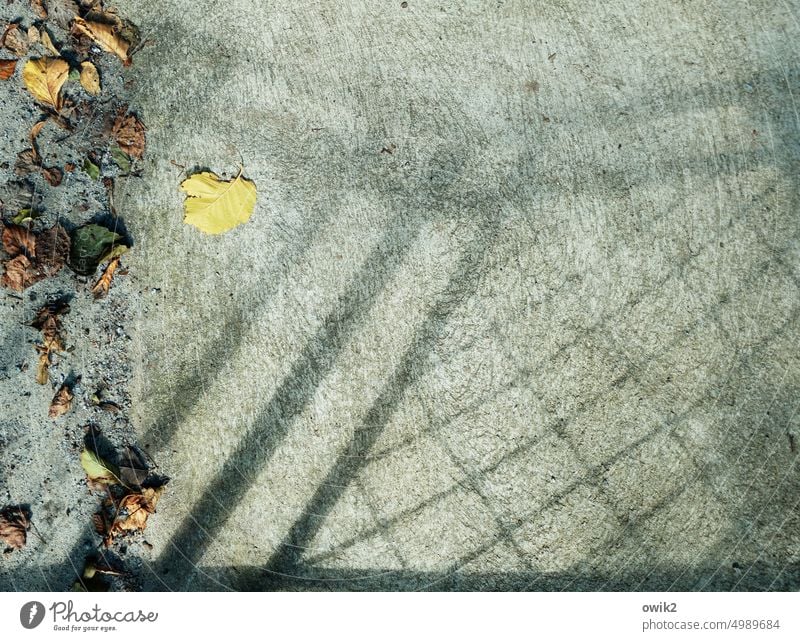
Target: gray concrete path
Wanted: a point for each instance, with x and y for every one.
(517, 308)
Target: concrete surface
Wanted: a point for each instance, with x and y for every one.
(517, 308)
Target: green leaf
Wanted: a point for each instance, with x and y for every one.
(121, 160)
(23, 216)
(74, 75)
(90, 168)
(91, 244)
(114, 252)
(97, 470)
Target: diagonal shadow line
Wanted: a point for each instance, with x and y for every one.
(170, 417)
(164, 425)
(189, 392)
(460, 287)
(289, 400)
(591, 474)
(188, 406)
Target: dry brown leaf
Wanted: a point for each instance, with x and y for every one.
(15, 520)
(90, 78)
(7, 68)
(104, 35)
(133, 470)
(43, 368)
(34, 35)
(18, 196)
(47, 43)
(100, 290)
(62, 402)
(44, 77)
(53, 175)
(19, 240)
(15, 40)
(63, 11)
(20, 274)
(36, 130)
(39, 9)
(48, 321)
(128, 131)
(52, 250)
(99, 522)
(27, 162)
(134, 510)
(51, 333)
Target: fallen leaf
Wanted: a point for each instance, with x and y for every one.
(20, 274)
(91, 245)
(133, 469)
(15, 40)
(18, 196)
(48, 322)
(36, 130)
(53, 175)
(62, 402)
(134, 510)
(104, 35)
(98, 472)
(99, 523)
(47, 43)
(27, 162)
(52, 250)
(15, 521)
(215, 206)
(44, 78)
(34, 35)
(7, 68)
(39, 9)
(121, 160)
(114, 252)
(43, 368)
(100, 290)
(24, 216)
(109, 406)
(128, 131)
(62, 11)
(90, 78)
(91, 581)
(90, 168)
(19, 240)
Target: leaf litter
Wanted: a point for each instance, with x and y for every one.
(68, 60)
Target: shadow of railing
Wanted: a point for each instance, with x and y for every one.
(285, 569)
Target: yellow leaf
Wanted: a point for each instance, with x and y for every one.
(90, 78)
(44, 78)
(97, 471)
(47, 42)
(215, 206)
(104, 35)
